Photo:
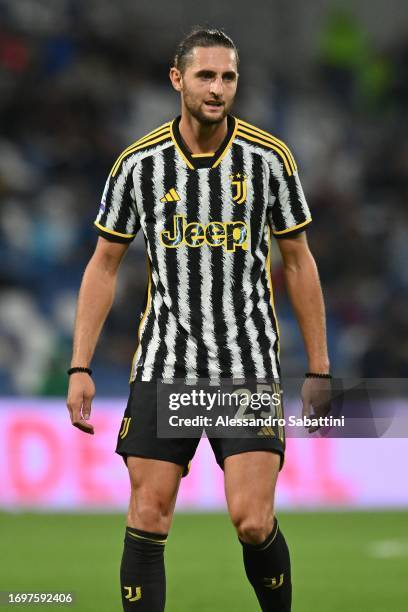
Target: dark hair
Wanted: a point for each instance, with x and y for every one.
(201, 37)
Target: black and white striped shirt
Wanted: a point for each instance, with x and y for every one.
(207, 222)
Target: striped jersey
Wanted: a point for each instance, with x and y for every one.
(207, 222)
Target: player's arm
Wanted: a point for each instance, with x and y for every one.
(288, 215)
(305, 293)
(95, 299)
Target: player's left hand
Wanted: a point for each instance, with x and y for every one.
(316, 394)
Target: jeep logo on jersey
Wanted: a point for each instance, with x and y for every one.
(230, 234)
(239, 184)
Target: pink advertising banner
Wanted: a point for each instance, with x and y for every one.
(45, 463)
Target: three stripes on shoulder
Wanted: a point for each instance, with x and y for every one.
(250, 132)
(161, 133)
(243, 129)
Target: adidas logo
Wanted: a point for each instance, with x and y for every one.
(171, 196)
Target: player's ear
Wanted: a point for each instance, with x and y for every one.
(176, 78)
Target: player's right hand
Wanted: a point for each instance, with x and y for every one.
(81, 391)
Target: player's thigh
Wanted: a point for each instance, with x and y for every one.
(154, 488)
(250, 481)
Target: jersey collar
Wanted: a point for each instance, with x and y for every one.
(203, 161)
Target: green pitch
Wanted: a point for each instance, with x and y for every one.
(354, 562)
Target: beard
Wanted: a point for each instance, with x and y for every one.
(195, 109)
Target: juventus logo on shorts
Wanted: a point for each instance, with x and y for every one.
(125, 427)
(239, 181)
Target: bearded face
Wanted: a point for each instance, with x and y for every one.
(209, 83)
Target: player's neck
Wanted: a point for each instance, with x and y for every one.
(202, 138)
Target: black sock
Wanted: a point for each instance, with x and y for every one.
(267, 566)
(142, 575)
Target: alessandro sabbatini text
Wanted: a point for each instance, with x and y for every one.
(239, 408)
(269, 421)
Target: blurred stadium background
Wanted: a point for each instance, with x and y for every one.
(79, 81)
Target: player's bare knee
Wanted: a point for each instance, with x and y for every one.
(149, 514)
(253, 528)
(254, 531)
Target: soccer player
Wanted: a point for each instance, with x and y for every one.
(208, 190)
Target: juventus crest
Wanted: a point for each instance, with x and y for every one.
(239, 187)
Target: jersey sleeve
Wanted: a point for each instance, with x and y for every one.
(118, 219)
(288, 211)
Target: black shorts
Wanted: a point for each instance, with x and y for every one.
(138, 435)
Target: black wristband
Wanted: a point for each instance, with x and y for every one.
(317, 375)
(74, 370)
